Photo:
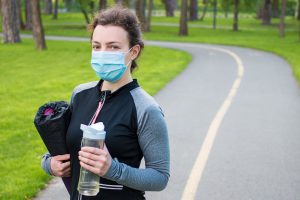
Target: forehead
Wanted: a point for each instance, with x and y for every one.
(109, 33)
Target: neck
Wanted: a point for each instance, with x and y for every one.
(115, 86)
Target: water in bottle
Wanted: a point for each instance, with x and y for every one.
(93, 136)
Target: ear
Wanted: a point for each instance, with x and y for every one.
(135, 52)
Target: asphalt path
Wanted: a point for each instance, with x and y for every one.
(233, 118)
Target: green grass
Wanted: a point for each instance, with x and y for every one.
(30, 78)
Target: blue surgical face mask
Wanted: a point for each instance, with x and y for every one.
(109, 66)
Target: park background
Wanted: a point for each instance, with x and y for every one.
(38, 70)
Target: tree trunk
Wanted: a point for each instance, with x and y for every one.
(266, 12)
(299, 30)
(140, 12)
(92, 8)
(126, 3)
(236, 15)
(120, 2)
(68, 4)
(48, 7)
(102, 4)
(86, 16)
(226, 8)
(55, 9)
(275, 8)
(282, 17)
(183, 29)
(28, 24)
(148, 20)
(10, 21)
(22, 25)
(205, 2)
(37, 28)
(169, 6)
(193, 10)
(298, 14)
(215, 14)
(84, 12)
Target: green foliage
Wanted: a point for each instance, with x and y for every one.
(30, 78)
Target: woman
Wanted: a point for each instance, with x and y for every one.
(134, 123)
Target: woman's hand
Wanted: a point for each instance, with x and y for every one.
(60, 165)
(95, 160)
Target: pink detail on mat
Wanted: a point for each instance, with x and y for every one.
(48, 111)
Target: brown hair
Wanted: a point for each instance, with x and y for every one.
(119, 16)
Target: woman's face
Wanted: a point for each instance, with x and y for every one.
(113, 38)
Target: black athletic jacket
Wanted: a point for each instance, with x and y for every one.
(135, 128)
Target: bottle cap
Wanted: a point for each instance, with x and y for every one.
(94, 131)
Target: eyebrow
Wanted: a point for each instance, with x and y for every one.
(112, 42)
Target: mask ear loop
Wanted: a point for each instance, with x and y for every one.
(130, 58)
(128, 62)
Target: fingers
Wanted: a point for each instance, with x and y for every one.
(93, 154)
(93, 150)
(66, 172)
(98, 162)
(60, 168)
(65, 165)
(93, 169)
(95, 160)
(62, 157)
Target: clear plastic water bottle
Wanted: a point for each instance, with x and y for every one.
(93, 136)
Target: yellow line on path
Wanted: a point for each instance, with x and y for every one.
(199, 165)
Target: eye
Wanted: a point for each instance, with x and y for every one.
(96, 47)
(113, 47)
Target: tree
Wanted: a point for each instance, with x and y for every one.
(28, 17)
(298, 13)
(68, 4)
(266, 12)
(170, 7)
(205, 3)
(48, 7)
(275, 8)
(21, 24)
(55, 9)
(92, 8)
(183, 29)
(127, 3)
(148, 19)
(119, 2)
(83, 7)
(102, 4)
(193, 10)
(37, 28)
(225, 6)
(282, 17)
(236, 15)
(10, 21)
(215, 4)
(140, 12)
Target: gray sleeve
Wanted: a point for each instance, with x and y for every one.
(153, 140)
(46, 163)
